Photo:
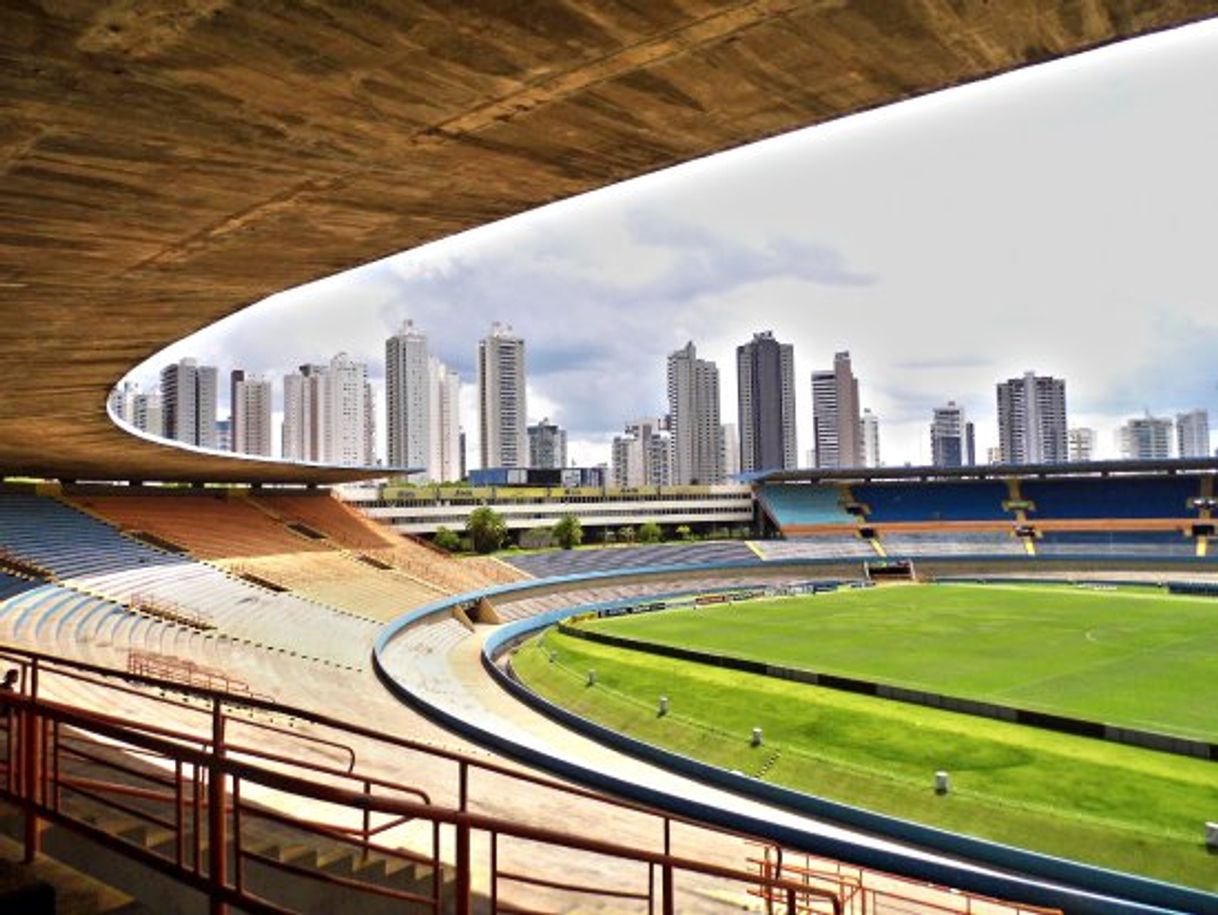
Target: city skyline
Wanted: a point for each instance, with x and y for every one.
(1034, 425)
(875, 234)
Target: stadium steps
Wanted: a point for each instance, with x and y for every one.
(126, 881)
(75, 893)
(90, 880)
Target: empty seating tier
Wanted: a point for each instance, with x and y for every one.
(825, 547)
(327, 515)
(66, 542)
(450, 575)
(341, 581)
(99, 561)
(965, 501)
(952, 543)
(570, 562)
(210, 526)
(805, 504)
(1138, 544)
(1112, 498)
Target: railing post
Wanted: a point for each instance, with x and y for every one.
(217, 852)
(367, 818)
(463, 884)
(667, 898)
(31, 764)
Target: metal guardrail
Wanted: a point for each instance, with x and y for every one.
(56, 758)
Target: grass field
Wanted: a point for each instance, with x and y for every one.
(1113, 805)
(1137, 656)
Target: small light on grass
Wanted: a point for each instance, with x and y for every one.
(1211, 836)
(663, 706)
(757, 741)
(942, 782)
(592, 678)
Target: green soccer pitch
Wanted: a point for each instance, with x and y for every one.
(1133, 656)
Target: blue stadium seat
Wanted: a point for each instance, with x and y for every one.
(965, 501)
(1130, 497)
(793, 503)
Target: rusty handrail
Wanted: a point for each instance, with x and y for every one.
(37, 713)
(69, 669)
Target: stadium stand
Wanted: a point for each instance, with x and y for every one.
(1112, 498)
(821, 547)
(805, 504)
(913, 544)
(212, 527)
(1115, 543)
(329, 516)
(964, 501)
(87, 554)
(569, 562)
(340, 580)
(75, 624)
(12, 585)
(300, 538)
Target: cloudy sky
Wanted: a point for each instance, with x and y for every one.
(1063, 219)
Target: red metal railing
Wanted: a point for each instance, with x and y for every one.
(861, 892)
(206, 794)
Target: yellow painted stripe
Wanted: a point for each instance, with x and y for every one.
(755, 548)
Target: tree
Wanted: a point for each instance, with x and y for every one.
(626, 534)
(447, 540)
(568, 532)
(649, 532)
(486, 529)
(684, 533)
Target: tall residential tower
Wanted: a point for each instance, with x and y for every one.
(502, 413)
(693, 407)
(1032, 420)
(765, 372)
(408, 398)
(838, 434)
(951, 437)
(188, 402)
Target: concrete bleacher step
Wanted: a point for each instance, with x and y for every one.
(76, 893)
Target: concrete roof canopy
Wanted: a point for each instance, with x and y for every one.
(168, 162)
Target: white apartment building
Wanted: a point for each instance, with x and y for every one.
(1032, 420)
(693, 408)
(871, 438)
(837, 430)
(408, 399)
(1146, 438)
(1193, 434)
(251, 415)
(502, 407)
(1081, 444)
(304, 414)
(444, 461)
(345, 437)
(188, 398)
(951, 437)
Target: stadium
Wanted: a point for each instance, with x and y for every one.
(228, 690)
